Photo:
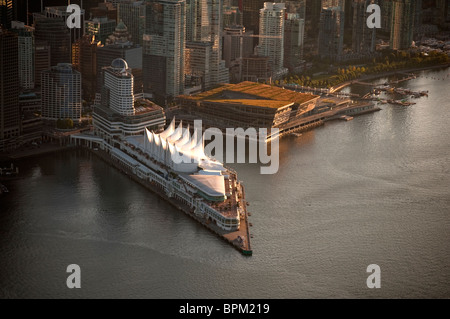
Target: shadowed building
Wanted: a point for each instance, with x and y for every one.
(55, 33)
(26, 55)
(132, 13)
(42, 53)
(9, 89)
(294, 33)
(7, 13)
(331, 33)
(164, 49)
(363, 38)
(402, 24)
(61, 93)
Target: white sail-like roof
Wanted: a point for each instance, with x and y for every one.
(176, 134)
(169, 130)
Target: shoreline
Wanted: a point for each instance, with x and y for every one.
(46, 148)
(385, 74)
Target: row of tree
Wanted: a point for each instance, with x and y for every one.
(389, 61)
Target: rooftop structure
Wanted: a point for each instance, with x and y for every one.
(247, 104)
(271, 28)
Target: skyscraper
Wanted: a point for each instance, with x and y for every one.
(164, 48)
(61, 93)
(363, 38)
(294, 33)
(331, 33)
(26, 54)
(101, 28)
(120, 112)
(60, 12)
(118, 86)
(87, 65)
(42, 60)
(402, 24)
(297, 7)
(312, 18)
(6, 13)
(55, 32)
(118, 45)
(132, 13)
(9, 88)
(232, 16)
(251, 14)
(204, 24)
(271, 31)
(233, 51)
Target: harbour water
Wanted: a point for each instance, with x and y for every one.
(374, 190)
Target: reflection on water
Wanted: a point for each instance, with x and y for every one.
(348, 194)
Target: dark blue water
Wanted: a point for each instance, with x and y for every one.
(374, 190)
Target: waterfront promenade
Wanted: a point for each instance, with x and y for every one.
(382, 75)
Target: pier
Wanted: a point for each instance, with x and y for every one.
(239, 239)
(305, 123)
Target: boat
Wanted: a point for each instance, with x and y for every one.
(9, 171)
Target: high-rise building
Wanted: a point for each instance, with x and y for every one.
(42, 60)
(55, 32)
(7, 11)
(294, 33)
(256, 69)
(312, 18)
(233, 44)
(9, 89)
(118, 88)
(386, 15)
(331, 33)
(232, 16)
(120, 112)
(118, 45)
(418, 16)
(101, 28)
(251, 11)
(164, 48)
(198, 63)
(26, 54)
(297, 7)
(363, 38)
(205, 24)
(402, 24)
(443, 16)
(237, 44)
(61, 93)
(271, 32)
(87, 65)
(60, 12)
(104, 9)
(132, 13)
